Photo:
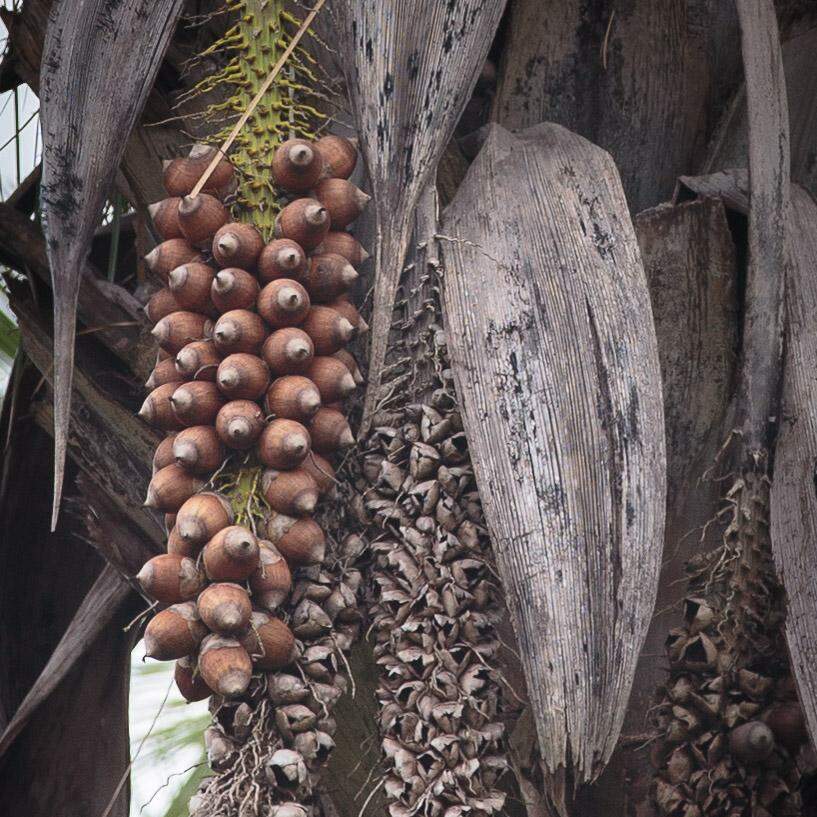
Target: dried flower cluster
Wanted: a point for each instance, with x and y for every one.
(249, 386)
(733, 738)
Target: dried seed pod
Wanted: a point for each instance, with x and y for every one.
(170, 254)
(170, 579)
(163, 372)
(189, 681)
(283, 444)
(328, 329)
(345, 244)
(198, 449)
(175, 331)
(332, 378)
(239, 424)
(219, 748)
(237, 245)
(200, 218)
(286, 689)
(225, 608)
(289, 350)
(300, 541)
(171, 487)
(158, 410)
(343, 201)
(286, 770)
(198, 360)
(328, 276)
(165, 217)
(297, 165)
(294, 493)
(271, 582)
(231, 555)
(321, 471)
(161, 304)
(163, 455)
(348, 360)
(281, 258)
(330, 431)
(339, 155)
(243, 377)
(293, 397)
(224, 665)
(190, 284)
(349, 311)
(751, 742)
(283, 302)
(202, 517)
(304, 221)
(269, 642)
(197, 403)
(234, 288)
(174, 632)
(239, 330)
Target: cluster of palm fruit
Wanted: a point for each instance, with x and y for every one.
(732, 738)
(248, 386)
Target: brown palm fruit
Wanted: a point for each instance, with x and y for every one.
(304, 221)
(174, 632)
(163, 372)
(176, 330)
(339, 155)
(231, 555)
(158, 410)
(333, 379)
(281, 258)
(283, 302)
(198, 360)
(225, 665)
(330, 431)
(198, 449)
(225, 608)
(328, 329)
(170, 254)
(289, 350)
(328, 276)
(237, 245)
(234, 288)
(178, 546)
(348, 360)
(787, 722)
(294, 493)
(190, 284)
(163, 455)
(300, 541)
(161, 304)
(321, 471)
(189, 681)
(165, 217)
(170, 521)
(197, 403)
(180, 176)
(200, 217)
(342, 199)
(751, 742)
(243, 377)
(269, 642)
(349, 311)
(297, 165)
(283, 444)
(239, 424)
(171, 487)
(293, 397)
(271, 582)
(239, 330)
(345, 244)
(202, 517)
(170, 579)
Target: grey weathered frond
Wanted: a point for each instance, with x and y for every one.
(551, 335)
(410, 69)
(99, 62)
